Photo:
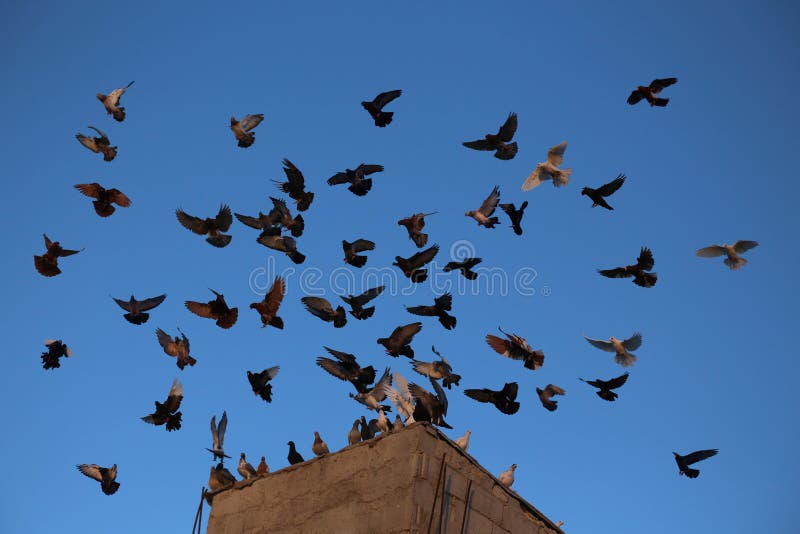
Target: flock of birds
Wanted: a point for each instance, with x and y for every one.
(411, 401)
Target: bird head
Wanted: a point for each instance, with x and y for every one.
(585, 191)
(291, 444)
(470, 213)
(241, 456)
(253, 306)
(513, 467)
(612, 339)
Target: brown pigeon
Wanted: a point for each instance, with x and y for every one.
(351, 251)
(546, 396)
(321, 308)
(282, 243)
(438, 370)
(213, 228)
(106, 476)
(374, 108)
(499, 142)
(399, 342)
(98, 144)
(47, 264)
(268, 308)
(412, 267)
(111, 102)
(356, 303)
(345, 367)
(216, 309)
(241, 129)
(638, 270)
(516, 348)
(177, 347)
(259, 381)
(441, 305)
(167, 413)
(359, 185)
(104, 198)
(414, 225)
(295, 186)
(649, 92)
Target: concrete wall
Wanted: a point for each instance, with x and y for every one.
(385, 485)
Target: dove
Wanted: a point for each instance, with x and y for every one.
(733, 260)
(398, 423)
(359, 185)
(463, 441)
(401, 398)
(98, 145)
(111, 102)
(136, 308)
(220, 478)
(605, 386)
(649, 92)
(47, 264)
(216, 309)
(104, 198)
(504, 400)
(167, 413)
(372, 399)
(414, 225)
(295, 186)
(638, 270)
(351, 251)
(259, 381)
(106, 476)
(464, 266)
(597, 195)
(506, 478)
(213, 228)
(399, 342)
(321, 308)
(516, 348)
(356, 303)
(499, 142)
(241, 129)
(515, 215)
(280, 215)
(284, 244)
(354, 436)
(366, 432)
(546, 394)
(345, 367)
(374, 108)
(548, 170)
(441, 305)
(268, 308)
(483, 215)
(177, 347)
(263, 468)
(382, 423)
(685, 461)
(56, 349)
(412, 266)
(319, 447)
(294, 456)
(620, 348)
(245, 470)
(429, 407)
(218, 437)
(438, 370)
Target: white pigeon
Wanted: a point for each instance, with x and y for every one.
(372, 399)
(506, 478)
(245, 469)
(401, 398)
(620, 348)
(218, 436)
(463, 441)
(734, 261)
(548, 170)
(383, 423)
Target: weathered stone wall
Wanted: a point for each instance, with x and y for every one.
(391, 484)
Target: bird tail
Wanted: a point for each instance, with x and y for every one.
(340, 319)
(358, 261)
(298, 225)
(561, 177)
(608, 395)
(366, 313)
(448, 321)
(736, 263)
(625, 360)
(419, 276)
(103, 209)
(491, 222)
(139, 318)
(296, 257)
(384, 118)
(661, 102)
(277, 322)
(420, 239)
(646, 280)
(219, 241)
(174, 422)
(188, 361)
(691, 473)
(470, 275)
(507, 151)
(305, 201)
(119, 114)
(406, 351)
(46, 268)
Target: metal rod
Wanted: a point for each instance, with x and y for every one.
(466, 508)
(436, 493)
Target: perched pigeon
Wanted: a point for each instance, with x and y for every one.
(548, 170)
(136, 308)
(620, 348)
(259, 381)
(111, 102)
(295, 186)
(441, 305)
(294, 456)
(399, 342)
(429, 407)
(506, 478)
(213, 228)
(483, 215)
(504, 400)
(218, 437)
(499, 142)
(262, 468)
(649, 92)
(465, 267)
(546, 395)
(359, 185)
(216, 309)
(241, 129)
(351, 251)
(47, 264)
(638, 270)
(605, 386)
(438, 370)
(104, 198)
(414, 225)
(284, 244)
(412, 267)
(383, 423)
(245, 469)
(733, 260)
(372, 399)
(98, 144)
(177, 347)
(220, 478)
(345, 367)
(374, 108)
(56, 349)
(106, 476)
(354, 436)
(515, 215)
(268, 308)
(685, 461)
(516, 348)
(167, 413)
(463, 441)
(398, 423)
(356, 303)
(321, 308)
(604, 191)
(366, 432)
(319, 447)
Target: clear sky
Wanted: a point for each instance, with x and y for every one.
(716, 369)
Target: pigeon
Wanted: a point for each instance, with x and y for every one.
(366, 432)
(106, 476)
(516, 348)
(319, 447)
(259, 381)
(354, 436)
(241, 129)
(220, 478)
(218, 437)
(294, 456)
(381, 118)
(359, 185)
(98, 145)
(605, 386)
(685, 461)
(414, 225)
(604, 191)
(483, 214)
(177, 347)
(441, 305)
(216, 309)
(104, 198)
(262, 468)
(267, 223)
(268, 308)
(546, 394)
(401, 398)
(733, 260)
(464, 266)
(463, 441)
(136, 308)
(398, 423)
(111, 102)
(345, 367)
(548, 170)
(356, 303)
(399, 342)
(47, 264)
(504, 400)
(649, 92)
(620, 348)
(56, 349)
(383, 423)
(499, 142)
(280, 215)
(351, 251)
(638, 270)
(372, 399)
(506, 478)
(429, 407)
(246, 470)
(438, 370)
(321, 308)
(412, 266)
(282, 244)
(167, 413)
(295, 186)
(213, 228)
(515, 215)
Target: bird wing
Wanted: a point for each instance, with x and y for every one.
(384, 98)
(510, 390)
(509, 209)
(252, 222)
(423, 368)
(382, 387)
(635, 97)
(711, 252)
(103, 137)
(612, 186)
(90, 190)
(274, 298)
(166, 342)
(425, 311)
(360, 245)
(404, 334)
(743, 246)
(342, 356)
(535, 178)
(223, 425)
(88, 142)
(556, 154)
(660, 83)
(369, 294)
(318, 306)
(224, 218)
(645, 260)
(633, 342)
(613, 383)
(480, 395)
(91, 471)
(421, 258)
(440, 396)
(272, 372)
(249, 122)
(281, 208)
(619, 272)
(190, 222)
(118, 197)
(552, 389)
(296, 179)
(339, 178)
(490, 204)
(444, 302)
(175, 396)
(368, 168)
(149, 304)
(480, 144)
(507, 130)
(124, 304)
(334, 368)
(499, 345)
(200, 308)
(600, 344)
(697, 456)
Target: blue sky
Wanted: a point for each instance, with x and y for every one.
(716, 367)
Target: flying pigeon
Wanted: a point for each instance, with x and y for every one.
(106, 476)
(218, 437)
(359, 185)
(414, 225)
(620, 348)
(649, 92)
(374, 108)
(295, 186)
(319, 447)
(241, 129)
(321, 308)
(605, 386)
(216, 309)
(733, 260)
(356, 303)
(638, 270)
(345, 367)
(604, 191)
(516, 348)
(372, 399)
(685, 461)
(548, 170)
(504, 400)
(56, 349)
(177, 347)
(259, 381)
(506, 478)
(465, 267)
(294, 456)
(438, 370)
(412, 267)
(463, 441)
(499, 142)
(546, 395)
(111, 102)
(351, 251)
(401, 398)
(268, 308)
(515, 215)
(136, 308)
(399, 342)
(441, 305)
(429, 407)
(245, 469)
(280, 215)
(167, 413)
(213, 228)
(483, 214)
(284, 244)
(98, 144)
(47, 264)
(104, 198)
